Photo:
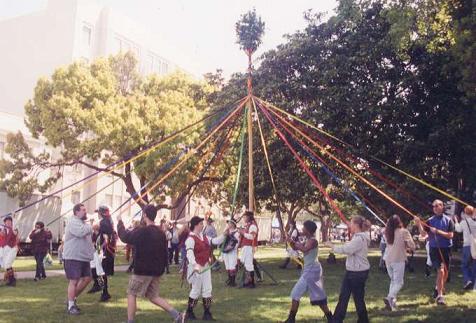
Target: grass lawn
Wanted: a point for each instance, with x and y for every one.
(45, 301)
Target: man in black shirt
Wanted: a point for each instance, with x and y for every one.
(107, 241)
(150, 259)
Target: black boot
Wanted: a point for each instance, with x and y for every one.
(190, 316)
(250, 279)
(10, 277)
(232, 280)
(96, 286)
(291, 317)
(286, 263)
(207, 315)
(228, 281)
(105, 292)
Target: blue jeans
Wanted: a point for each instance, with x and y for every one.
(468, 266)
(353, 284)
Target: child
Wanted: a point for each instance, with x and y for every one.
(230, 252)
(311, 277)
(399, 241)
(357, 270)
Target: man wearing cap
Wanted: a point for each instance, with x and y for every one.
(107, 241)
(149, 264)
(198, 248)
(249, 240)
(9, 248)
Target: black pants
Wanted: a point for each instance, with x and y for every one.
(353, 283)
(174, 253)
(40, 267)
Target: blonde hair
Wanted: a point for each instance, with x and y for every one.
(362, 223)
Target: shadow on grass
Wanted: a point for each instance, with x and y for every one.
(45, 301)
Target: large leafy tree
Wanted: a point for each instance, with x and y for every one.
(98, 113)
(393, 78)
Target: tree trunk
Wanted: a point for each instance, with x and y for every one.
(325, 226)
(130, 185)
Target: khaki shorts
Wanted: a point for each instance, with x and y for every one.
(143, 286)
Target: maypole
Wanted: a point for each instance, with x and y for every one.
(250, 30)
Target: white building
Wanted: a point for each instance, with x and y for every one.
(34, 45)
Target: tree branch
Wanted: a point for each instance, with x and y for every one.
(189, 188)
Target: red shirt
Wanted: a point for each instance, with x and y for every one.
(250, 242)
(2, 237)
(9, 237)
(201, 250)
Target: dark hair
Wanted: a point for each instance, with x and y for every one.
(393, 223)
(40, 224)
(77, 207)
(362, 223)
(194, 221)
(250, 214)
(310, 226)
(150, 212)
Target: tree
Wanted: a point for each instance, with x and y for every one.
(394, 79)
(98, 113)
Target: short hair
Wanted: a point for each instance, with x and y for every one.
(150, 212)
(77, 207)
(40, 224)
(361, 222)
(250, 214)
(439, 202)
(310, 226)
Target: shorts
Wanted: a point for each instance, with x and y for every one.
(436, 257)
(311, 282)
(108, 265)
(75, 269)
(143, 286)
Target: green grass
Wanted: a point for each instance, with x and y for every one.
(44, 301)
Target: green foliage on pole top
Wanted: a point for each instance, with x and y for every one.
(250, 30)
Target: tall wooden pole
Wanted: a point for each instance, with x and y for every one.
(251, 192)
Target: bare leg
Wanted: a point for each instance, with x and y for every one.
(131, 307)
(82, 284)
(72, 286)
(162, 303)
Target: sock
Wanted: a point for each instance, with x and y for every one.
(174, 313)
(70, 304)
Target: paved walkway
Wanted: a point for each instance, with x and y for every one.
(57, 272)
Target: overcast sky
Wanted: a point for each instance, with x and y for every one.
(202, 29)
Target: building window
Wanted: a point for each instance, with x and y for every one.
(87, 36)
(2, 149)
(117, 201)
(165, 67)
(109, 200)
(75, 197)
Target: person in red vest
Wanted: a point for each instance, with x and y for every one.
(198, 248)
(9, 245)
(249, 240)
